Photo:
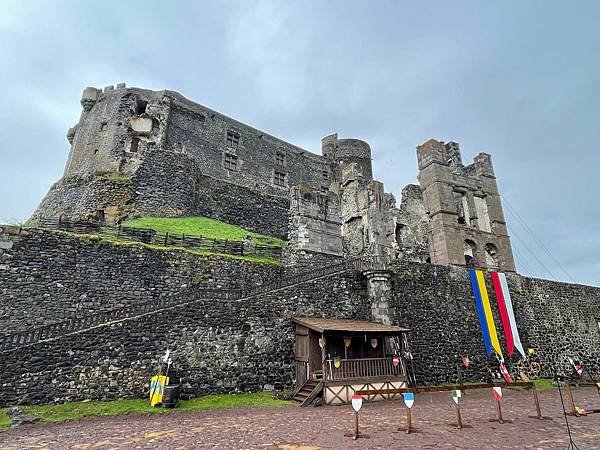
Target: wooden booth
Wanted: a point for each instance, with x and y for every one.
(336, 357)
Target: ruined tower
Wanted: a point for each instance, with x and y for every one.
(467, 225)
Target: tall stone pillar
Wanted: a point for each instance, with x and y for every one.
(379, 288)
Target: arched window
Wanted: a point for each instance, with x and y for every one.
(469, 250)
(491, 256)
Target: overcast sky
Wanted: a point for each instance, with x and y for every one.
(518, 80)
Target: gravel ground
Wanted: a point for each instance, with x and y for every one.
(293, 428)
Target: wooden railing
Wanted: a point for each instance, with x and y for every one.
(364, 368)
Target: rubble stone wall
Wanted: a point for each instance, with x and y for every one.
(247, 345)
(46, 276)
(558, 320)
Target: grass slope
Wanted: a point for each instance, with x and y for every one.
(77, 410)
(202, 226)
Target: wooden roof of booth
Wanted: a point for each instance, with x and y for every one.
(321, 325)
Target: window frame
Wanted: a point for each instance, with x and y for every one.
(233, 139)
(280, 158)
(230, 162)
(279, 178)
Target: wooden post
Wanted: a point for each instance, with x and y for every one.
(458, 417)
(356, 434)
(408, 421)
(499, 411)
(536, 400)
(573, 411)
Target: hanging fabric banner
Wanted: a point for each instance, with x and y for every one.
(484, 311)
(508, 334)
(513, 340)
(480, 313)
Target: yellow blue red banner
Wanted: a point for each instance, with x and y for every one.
(484, 312)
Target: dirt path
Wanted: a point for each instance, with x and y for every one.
(293, 428)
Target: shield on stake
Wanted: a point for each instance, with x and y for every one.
(466, 361)
(456, 395)
(356, 402)
(409, 399)
(497, 392)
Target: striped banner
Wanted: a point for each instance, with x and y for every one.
(513, 340)
(484, 311)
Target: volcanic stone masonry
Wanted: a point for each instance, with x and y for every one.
(136, 152)
(246, 345)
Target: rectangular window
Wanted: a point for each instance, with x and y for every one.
(325, 175)
(135, 145)
(230, 162)
(279, 178)
(280, 158)
(233, 139)
(103, 126)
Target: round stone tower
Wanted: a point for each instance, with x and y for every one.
(344, 152)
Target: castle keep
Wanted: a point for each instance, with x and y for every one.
(136, 152)
(363, 278)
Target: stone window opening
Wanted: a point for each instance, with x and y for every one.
(140, 107)
(230, 162)
(233, 140)
(469, 250)
(135, 145)
(103, 126)
(95, 151)
(325, 175)
(399, 229)
(279, 178)
(280, 158)
(491, 255)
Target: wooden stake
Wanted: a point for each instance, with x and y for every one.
(573, 411)
(499, 411)
(408, 421)
(458, 417)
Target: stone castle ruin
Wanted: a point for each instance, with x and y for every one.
(362, 277)
(136, 152)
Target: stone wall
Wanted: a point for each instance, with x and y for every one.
(557, 319)
(106, 194)
(172, 184)
(218, 347)
(50, 276)
(231, 346)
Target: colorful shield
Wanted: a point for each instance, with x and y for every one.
(157, 388)
(505, 373)
(356, 402)
(456, 395)
(395, 360)
(497, 390)
(374, 342)
(409, 399)
(337, 362)
(466, 361)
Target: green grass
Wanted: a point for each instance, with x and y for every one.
(201, 226)
(77, 410)
(543, 384)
